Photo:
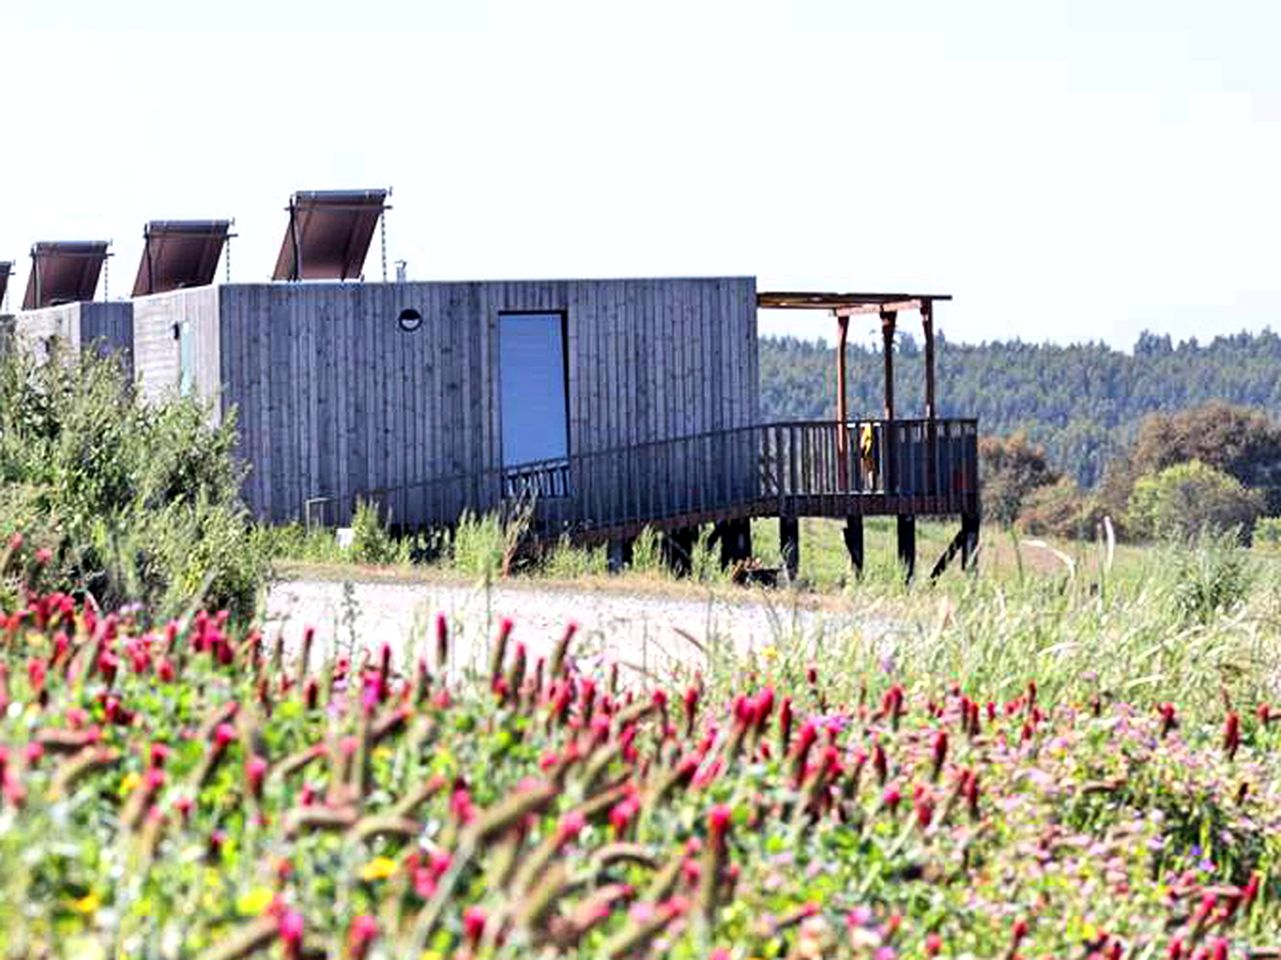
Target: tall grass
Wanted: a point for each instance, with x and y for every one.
(1199, 625)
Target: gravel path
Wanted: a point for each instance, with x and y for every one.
(648, 632)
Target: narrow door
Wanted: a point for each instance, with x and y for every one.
(534, 397)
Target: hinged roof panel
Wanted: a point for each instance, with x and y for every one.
(180, 253)
(329, 234)
(64, 272)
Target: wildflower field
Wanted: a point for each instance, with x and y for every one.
(188, 788)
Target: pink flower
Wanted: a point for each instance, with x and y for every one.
(474, 924)
(364, 930)
(718, 821)
(291, 930)
(1232, 734)
(570, 826)
(224, 734)
(255, 771)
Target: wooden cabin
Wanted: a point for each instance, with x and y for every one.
(596, 407)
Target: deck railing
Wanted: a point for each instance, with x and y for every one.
(794, 468)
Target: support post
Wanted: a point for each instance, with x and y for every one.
(854, 543)
(970, 523)
(678, 549)
(789, 542)
(907, 545)
(842, 405)
(618, 555)
(735, 538)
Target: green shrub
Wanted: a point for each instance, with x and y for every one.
(647, 552)
(479, 542)
(370, 540)
(1059, 510)
(1190, 499)
(568, 562)
(135, 501)
(1213, 575)
(1267, 532)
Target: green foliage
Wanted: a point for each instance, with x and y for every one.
(705, 559)
(565, 561)
(1267, 532)
(647, 553)
(133, 500)
(371, 542)
(293, 541)
(1010, 469)
(1241, 442)
(479, 542)
(1188, 500)
(1060, 510)
(1213, 575)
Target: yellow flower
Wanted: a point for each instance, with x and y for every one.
(770, 652)
(88, 904)
(379, 868)
(382, 753)
(431, 955)
(130, 783)
(254, 902)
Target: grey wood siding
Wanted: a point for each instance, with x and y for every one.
(156, 349)
(109, 327)
(333, 399)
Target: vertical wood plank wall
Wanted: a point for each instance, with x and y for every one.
(110, 327)
(334, 399)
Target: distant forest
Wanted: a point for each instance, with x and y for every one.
(1082, 402)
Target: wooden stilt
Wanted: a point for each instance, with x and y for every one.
(907, 545)
(956, 545)
(970, 540)
(854, 543)
(789, 541)
(678, 549)
(735, 537)
(618, 555)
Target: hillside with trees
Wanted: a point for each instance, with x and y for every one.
(1083, 403)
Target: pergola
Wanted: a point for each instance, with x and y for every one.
(887, 306)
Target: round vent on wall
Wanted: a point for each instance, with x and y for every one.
(410, 320)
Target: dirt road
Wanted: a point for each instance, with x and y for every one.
(646, 631)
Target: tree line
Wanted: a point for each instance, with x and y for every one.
(1084, 403)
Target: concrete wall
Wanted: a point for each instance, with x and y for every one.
(159, 323)
(106, 326)
(333, 399)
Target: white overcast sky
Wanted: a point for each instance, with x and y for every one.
(1068, 170)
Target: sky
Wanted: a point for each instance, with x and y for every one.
(1068, 171)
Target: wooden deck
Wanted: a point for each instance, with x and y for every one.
(796, 469)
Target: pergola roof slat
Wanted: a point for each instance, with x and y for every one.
(846, 304)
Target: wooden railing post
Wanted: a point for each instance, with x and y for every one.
(842, 408)
(888, 319)
(931, 414)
